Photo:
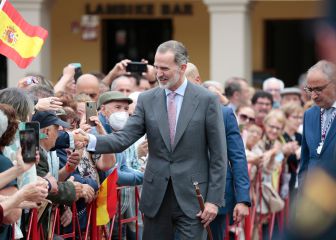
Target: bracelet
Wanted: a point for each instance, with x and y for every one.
(49, 184)
(69, 169)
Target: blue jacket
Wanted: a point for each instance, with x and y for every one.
(126, 176)
(105, 123)
(237, 188)
(80, 203)
(311, 138)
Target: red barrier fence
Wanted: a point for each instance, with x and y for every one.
(94, 232)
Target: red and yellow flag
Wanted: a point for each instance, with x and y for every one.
(107, 199)
(19, 41)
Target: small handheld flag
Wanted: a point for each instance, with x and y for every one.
(19, 41)
(107, 199)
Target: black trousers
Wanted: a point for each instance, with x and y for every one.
(170, 219)
(218, 227)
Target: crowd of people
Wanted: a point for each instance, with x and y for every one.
(166, 130)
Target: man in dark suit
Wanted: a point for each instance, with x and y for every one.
(237, 192)
(186, 139)
(319, 124)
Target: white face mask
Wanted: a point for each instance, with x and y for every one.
(118, 120)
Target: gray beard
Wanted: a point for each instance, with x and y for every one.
(163, 86)
(169, 83)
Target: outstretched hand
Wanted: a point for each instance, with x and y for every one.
(81, 138)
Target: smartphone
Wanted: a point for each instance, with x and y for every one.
(28, 144)
(137, 67)
(36, 127)
(78, 70)
(91, 110)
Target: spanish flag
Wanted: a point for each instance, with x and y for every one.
(19, 41)
(107, 199)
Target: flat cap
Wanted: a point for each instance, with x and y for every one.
(110, 96)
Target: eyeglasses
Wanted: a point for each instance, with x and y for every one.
(244, 118)
(274, 127)
(317, 90)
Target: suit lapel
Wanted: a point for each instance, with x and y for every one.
(189, 105)
(160, 112)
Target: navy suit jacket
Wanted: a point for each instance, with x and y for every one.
(311, 139)
(237, 180)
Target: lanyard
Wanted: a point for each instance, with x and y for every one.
(325, 128)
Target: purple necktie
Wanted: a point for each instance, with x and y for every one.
(172, 116)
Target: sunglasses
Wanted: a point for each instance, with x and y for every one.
(245, 118)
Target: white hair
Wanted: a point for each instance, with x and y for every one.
(115, 82)
(275, 80)
(326, 67)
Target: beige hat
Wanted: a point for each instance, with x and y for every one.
(291, 90)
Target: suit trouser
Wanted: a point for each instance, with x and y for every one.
(218, 227)
(170, 218)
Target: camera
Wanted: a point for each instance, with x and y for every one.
(137, 67)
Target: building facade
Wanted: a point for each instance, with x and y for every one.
(225, 38)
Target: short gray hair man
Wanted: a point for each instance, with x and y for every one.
(179, 50)
(274, 86)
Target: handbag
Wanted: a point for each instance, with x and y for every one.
(271, 198)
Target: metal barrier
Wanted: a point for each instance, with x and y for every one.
(75, 224)
(258, 218)
(122, 221)
(35, 232)
(94, 232)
